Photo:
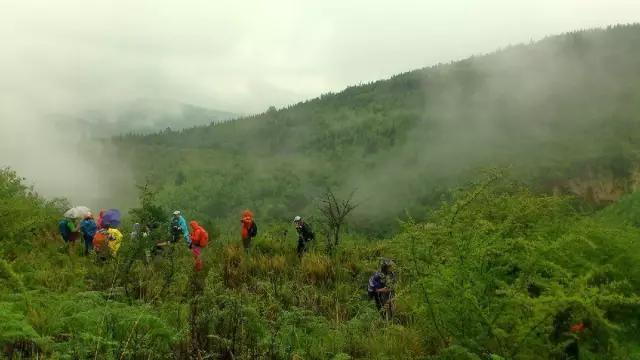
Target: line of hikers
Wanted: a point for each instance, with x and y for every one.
(103, 238)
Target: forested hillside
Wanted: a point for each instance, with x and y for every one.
(561, 113)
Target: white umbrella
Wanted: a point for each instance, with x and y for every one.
(77, 212)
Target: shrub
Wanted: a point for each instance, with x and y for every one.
(234, 269)
(317, 269)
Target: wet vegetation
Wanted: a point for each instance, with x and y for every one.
(494, 271)
(531, 261)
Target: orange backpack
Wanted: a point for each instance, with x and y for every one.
(99, 239)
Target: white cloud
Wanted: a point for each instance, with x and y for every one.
(215, 52)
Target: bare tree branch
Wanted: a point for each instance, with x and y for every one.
(335, 212)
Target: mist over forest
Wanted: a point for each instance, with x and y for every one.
(421, 180)
(558, 114)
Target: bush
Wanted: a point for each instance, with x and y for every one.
(235, 270)
(317, 269)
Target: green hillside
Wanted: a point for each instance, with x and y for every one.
(562, 114)
(497, 273)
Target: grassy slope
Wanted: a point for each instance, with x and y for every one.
(487, 274)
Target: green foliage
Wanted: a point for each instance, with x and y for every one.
(24, 216)
(626, 211)
(495, 271)
(149, 214)
(498, 265)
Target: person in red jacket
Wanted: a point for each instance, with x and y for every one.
(199, 239)
(99, 222)
(249, 228)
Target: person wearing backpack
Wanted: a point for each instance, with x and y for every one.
(178, 228)
(88, 228)
(380, 287)
(114, 240)
(199, 239)
(106, 242)
(99, 242)
(68, 230)
(305, 234)
(249, 229)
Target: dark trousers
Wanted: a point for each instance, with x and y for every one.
(376, 296)
(302, 246)
(381, 300)
(88, 244)
(246, 242)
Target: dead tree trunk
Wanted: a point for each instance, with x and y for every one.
(335, 212)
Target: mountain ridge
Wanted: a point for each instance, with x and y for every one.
(550, 111)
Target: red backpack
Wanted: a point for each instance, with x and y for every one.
(203, 238)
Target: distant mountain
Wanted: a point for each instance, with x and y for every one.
(147, 116)
(562, 113)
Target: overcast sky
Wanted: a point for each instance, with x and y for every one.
(246, 55)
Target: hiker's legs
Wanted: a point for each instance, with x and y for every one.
(246, 242)
(572, 351)
(301, 246)
(378, 300)
(389, 308)
(88, 245)
(65, 246)
(196, 252)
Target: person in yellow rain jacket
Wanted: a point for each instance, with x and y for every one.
(115, 240)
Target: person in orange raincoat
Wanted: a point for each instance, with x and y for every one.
(249, 228)
(199, 239)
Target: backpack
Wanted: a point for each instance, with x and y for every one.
(99, 239)
(175, 227)
(204, 239)
(307, 233)
(253, 230)
(63, 227)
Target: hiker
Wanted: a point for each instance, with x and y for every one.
(381, 286)
(99, 243)
(138, 232)
(568, 334)
(179, 228)
(68, 230)
(88, 227)
(138, 236)
(199, 239)
(99, 222)
(249, 229)
(305, 234)
(114, 240)
(107, 241)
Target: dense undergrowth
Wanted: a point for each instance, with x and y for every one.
(496, 271)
